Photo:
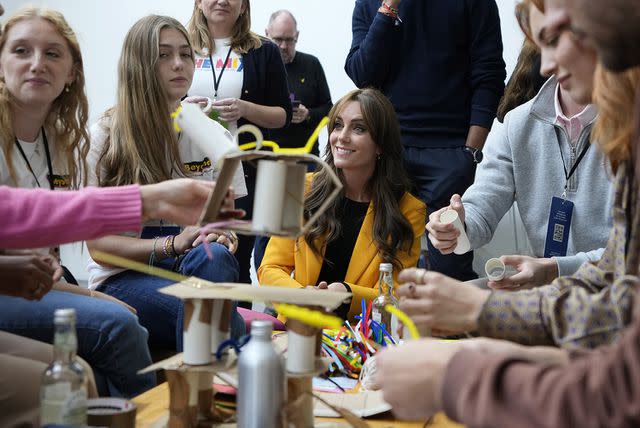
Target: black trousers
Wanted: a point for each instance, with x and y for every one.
(437, 174)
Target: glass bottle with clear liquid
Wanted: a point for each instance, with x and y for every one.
(386, 297)
(63, 391)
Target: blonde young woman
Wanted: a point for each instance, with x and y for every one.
(243, 73)
(43, 111)
(135, 142)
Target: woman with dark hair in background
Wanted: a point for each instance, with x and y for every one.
(375, 220)
(525, 81)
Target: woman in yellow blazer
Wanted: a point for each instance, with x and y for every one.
(375, 220)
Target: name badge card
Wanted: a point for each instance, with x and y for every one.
(558, 228)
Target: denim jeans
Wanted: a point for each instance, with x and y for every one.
(162, 314)
(109, 337)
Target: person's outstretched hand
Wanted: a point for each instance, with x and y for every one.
(29, 276)
(444, 237)
(182, 200)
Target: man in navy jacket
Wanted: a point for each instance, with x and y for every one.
(440, 63)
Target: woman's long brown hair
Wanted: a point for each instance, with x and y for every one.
(391, 230)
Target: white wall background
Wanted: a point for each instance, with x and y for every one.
(325, 31)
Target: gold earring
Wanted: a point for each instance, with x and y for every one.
(66, 88)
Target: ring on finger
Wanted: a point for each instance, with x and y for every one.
(420, 274)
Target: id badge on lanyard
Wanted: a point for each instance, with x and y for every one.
(560, 214)
(558, 227)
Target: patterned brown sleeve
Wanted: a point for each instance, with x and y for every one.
(573, 312)
(586, 309)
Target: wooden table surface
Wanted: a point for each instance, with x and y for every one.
(153, 405)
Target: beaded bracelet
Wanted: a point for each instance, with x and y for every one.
(167, 247)
(173, 247)
(152, 256)
(392, 10)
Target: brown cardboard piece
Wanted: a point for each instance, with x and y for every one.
(196, 288)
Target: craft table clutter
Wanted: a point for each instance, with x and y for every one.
(153, 412)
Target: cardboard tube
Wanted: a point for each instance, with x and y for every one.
(205, 395)
(292, 211)
(301, 348)
(299, 390)
(495, 269)
(269, 195)
(451, 217)
(196, 334)
(180, 415)
(218, 331)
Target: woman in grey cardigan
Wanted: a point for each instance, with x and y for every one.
(541, 153)
(526, 160)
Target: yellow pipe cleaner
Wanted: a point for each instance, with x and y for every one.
(121, 262)
(274, 146)
(404, 318)
(291, 150)
(309, 317)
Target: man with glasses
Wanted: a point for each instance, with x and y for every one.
(308, 90)
(308, 87)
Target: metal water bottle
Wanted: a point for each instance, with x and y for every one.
(261, 381)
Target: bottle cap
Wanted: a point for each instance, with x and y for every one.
(261, 328)
(64, 315)
(386, 267)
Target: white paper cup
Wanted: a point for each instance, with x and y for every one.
(495, 269)
(450, 216)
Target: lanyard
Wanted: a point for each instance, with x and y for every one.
(46, 149)
(216, 80)
(569, 174)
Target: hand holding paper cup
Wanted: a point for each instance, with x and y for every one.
(450, 216)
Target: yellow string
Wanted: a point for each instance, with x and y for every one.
(404, 318)
(309, 317)
(291, 150)
(121, 262)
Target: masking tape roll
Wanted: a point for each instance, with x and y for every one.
(111, 412)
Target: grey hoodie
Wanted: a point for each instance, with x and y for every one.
(522, 164)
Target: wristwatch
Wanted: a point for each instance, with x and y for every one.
(476, 154)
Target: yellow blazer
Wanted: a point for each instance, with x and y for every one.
(284, 256)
